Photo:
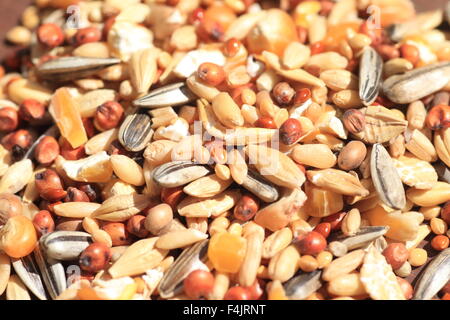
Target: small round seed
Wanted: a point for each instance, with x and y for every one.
(440, 242)
(417, 257)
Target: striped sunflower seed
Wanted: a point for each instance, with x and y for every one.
(363, 237)
(28, 272)
(177, 173)
(386, 179)
(418, 83)
(135, 132)
(303, 285)
(434, 277)
(170, 95)
(190, 259)
(52, 273)
(260, 187)
(70, 68)
(370, 72)
(65, 245)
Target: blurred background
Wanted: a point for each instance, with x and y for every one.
(10, 11)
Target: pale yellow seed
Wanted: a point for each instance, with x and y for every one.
(127, 170)
(101, 236)
(417, 257)
(430, 212)
(248, 96)
(308, 263)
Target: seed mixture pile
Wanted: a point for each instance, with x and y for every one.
(235, 149)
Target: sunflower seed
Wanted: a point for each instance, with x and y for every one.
(170, 95)
(443, 171)
(418, 83)
(386, 179)
(65, 245)
(135, 132)
(177, 173)
(28, 272)
(190, 259)
(70, 68)
(434, 277)
(52, 273)
(364, 236)
(260, 187)
(370, 70)
(303, 285)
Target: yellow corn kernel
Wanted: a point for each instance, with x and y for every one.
(305, 12)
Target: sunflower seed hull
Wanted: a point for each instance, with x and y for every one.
(364, 236)
(416, 84)
(302, 286)
(370, 70)
(28, 272)
(70, 68)
(386, 179)
(189, 259)
(260, 187)
(434, 277)
(177, 173)
(442, 171)
(65, 245)
(52, 273)
(170, 95)
(135, 132)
